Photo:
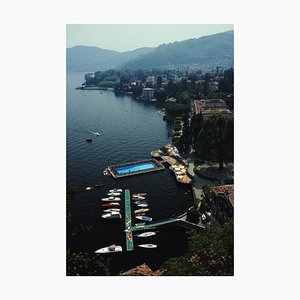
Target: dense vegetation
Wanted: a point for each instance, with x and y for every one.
(210, 253)
(81, 263)
(215, 140)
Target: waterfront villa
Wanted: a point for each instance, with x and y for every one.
(210, 107)
(148, 93)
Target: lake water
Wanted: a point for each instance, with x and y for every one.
(129, 131)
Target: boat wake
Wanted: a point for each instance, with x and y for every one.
(95, 133)
(75, 130)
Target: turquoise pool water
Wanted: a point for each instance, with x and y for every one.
(135, 168)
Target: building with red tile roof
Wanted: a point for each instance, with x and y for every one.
(223, 202)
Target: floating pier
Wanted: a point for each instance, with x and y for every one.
(135, 168)
(128, 222)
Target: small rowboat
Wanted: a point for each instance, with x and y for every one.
(142, 205)
(149, 246)
(139, 194)
(140, 214)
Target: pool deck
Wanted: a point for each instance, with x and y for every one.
(113, 169)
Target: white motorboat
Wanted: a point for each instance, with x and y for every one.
(111, 209)
(113, 199)
(140, 224)
(144, 218)
(139, 195)
(110, 249)
(146, 234)
(112, 215)
(150, 246)
(116, 191)
(138, 198)
(89, 188)
(142, 205)
(140, 202)
(114, 194)
(137, 211)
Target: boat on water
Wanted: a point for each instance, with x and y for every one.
(113, 199)
(110, 249)
(111, 209)
(112, 215)
(141, 210)
(139, 194)
(144, 218)
(146, 234)
(111, 204)
(142, 205)
(140, 224)
(88, 140)
(139, 214)
(138, 198)
(149, 246)
(89, 188)
(116, 191)
(114, 194)
(140, 202)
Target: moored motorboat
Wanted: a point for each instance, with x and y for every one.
(149, 246)
(112, 215)
(139, 194)
(140, 202)
(114, 194)
(113, 199)
(141, 210)
(116, 191)
(144, 218)
(110, 249)
(139, 214)
(142, 205)
(111, 204)
(146, 234)
(111, 209)
(138, 198)
(140, 224)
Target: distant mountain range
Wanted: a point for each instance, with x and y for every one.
(205, 52)
(91, 59)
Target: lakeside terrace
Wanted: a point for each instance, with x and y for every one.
(135, 168)
(178, 166)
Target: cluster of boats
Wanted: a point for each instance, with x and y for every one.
(139, 200)
(112, 202)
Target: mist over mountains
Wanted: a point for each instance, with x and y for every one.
(205, 52)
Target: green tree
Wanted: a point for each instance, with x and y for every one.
(210, 253)
(84, 264)
(192, 216)
(160, 95)
(215, 139)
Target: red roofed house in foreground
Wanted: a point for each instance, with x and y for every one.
(223, 202)
(142, 270)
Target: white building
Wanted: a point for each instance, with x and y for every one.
(148, 93)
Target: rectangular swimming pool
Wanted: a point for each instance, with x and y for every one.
(135, 168)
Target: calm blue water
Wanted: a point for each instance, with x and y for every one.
(129, 131)
(135, 168)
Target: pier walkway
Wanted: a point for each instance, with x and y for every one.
(129, 229)
(128, 222)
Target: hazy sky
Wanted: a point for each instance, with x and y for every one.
(128, 37)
